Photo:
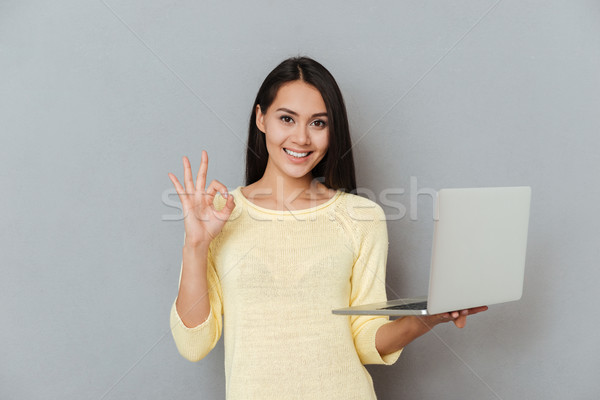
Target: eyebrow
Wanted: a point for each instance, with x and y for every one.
(287, 110)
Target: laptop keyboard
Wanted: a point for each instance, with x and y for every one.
(422, 305)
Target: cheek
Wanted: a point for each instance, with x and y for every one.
(275, 134)
(323, 141)
(274, 137)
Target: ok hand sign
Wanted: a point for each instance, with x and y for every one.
(202, 221)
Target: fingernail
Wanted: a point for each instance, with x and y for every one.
(225, 194)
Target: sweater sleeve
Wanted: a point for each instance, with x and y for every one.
(368, 286)
(194, 343)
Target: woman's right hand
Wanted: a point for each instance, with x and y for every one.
(202, 221)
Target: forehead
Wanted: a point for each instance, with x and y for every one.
(300, 97)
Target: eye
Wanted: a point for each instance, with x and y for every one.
(286, 118)
(320, 123)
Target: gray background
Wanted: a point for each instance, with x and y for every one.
(100, 99)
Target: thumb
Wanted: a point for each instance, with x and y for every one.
(225, 212)
(461, 321)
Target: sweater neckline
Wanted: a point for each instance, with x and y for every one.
(321, 206)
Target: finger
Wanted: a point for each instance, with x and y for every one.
(477, 310)
(187, 173)
(176, 183)
(216, 186)
(201, 178)
(179, 189)
(226, 211)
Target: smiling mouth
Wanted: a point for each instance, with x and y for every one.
(297, 155)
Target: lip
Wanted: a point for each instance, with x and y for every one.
(294, 159)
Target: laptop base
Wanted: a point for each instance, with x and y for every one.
(399, 307)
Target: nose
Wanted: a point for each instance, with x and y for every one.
(302, 135)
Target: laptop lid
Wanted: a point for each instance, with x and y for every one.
(479, 246)
(478, 252)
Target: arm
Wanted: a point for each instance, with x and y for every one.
(199, 301)
(192, 301)
(196, 322)
(368, 281)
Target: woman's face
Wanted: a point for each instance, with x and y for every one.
(295, 122)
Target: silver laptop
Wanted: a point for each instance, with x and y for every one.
(478, 253)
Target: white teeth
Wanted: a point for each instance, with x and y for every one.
(292, 153)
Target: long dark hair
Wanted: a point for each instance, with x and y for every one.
(336, 169)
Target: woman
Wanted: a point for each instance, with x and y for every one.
(269, 261)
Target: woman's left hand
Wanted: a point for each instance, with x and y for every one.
(395, 335)
(458, 317)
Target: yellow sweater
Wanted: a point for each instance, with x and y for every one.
(275, 276)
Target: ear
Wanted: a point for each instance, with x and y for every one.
(260, 119)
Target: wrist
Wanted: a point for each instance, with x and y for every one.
(196, 245)
(422, 324)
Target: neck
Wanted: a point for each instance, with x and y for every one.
(285, 189)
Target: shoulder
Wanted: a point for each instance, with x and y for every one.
(364, 220)
(358, 208)
(361, 218)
